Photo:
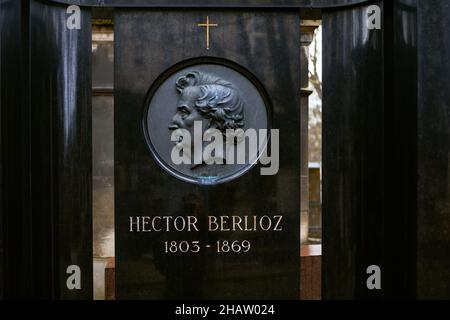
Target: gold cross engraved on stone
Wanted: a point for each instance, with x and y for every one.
(207, 25)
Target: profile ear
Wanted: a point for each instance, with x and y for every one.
(189, 80)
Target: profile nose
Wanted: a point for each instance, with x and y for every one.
(175, 122)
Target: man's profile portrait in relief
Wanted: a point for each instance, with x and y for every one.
(207, 99)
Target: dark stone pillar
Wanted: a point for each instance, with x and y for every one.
(352, 152)
(433, 190)
(400, 149)
(61, 148)
(15, 239)
(46, 137)
(386, 151)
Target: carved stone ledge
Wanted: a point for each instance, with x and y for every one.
(307, 28)
(306, 92)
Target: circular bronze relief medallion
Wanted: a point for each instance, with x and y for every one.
(201, 123)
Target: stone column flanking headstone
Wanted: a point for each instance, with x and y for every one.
(102, 148)
(307, 28)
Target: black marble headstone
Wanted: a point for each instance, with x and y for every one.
(262, 46)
